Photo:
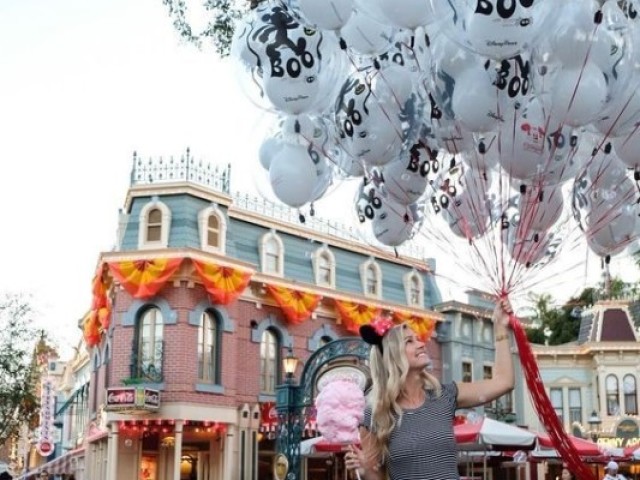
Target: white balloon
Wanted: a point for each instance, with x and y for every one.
(406, 178)
(475, 100)
(628, 149)
(393, 223)
(364, 35)
(269, 147)
(578, 94)
(293, 95)
(406, 14)
(540, 208)
(293, 175)
(611, 227)
(326, 14)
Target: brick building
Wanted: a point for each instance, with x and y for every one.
(194, 309)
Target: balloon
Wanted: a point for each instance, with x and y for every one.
(627, 149)
(475, 100)
(406, 14)
(405, 178)
(268, 149)
(497, 29)
(326, 14)
(365, 36)
(292, 175)
(539, 208)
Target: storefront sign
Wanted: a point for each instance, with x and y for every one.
(627, 433)
(44, 445)
(132, 399)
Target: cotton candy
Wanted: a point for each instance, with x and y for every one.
(340, 410)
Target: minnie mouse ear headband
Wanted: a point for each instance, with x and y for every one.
(374, 332)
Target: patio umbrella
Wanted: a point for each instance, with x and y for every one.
(585, 448)
(493, 434)
(632, 452)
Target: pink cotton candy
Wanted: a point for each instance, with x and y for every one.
(340, 410)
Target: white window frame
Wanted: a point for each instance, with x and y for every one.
(143, 243)
(203, 227)
(364, 268)
(266, 238)
(408, 284)
(331, 260)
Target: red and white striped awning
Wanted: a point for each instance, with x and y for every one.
(62, 465)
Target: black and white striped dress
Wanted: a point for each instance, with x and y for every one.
(422, 446)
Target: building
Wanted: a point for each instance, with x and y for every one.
(193, 310)
(593, 383)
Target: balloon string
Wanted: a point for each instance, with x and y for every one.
(544, 409)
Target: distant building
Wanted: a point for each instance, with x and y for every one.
(593, 383)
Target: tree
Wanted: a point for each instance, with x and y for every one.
(18, 401)
(218, 30)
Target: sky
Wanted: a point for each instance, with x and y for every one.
(84, 84)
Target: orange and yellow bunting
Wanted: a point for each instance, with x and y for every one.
(144, 278)
(224, 284)
(91, 329)
(423, 326)
(297, 306)
(353, 315)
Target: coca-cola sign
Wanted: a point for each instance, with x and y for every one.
(132, 398)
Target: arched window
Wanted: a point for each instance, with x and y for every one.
(324, 267)
(208, 348)
(269, 372)
(371, 279)
(155, 222)
(630, 395)
(148, 364)
(613, 405)
(154, 225)
(414, 288)
(324, 340)
(272, 254)
(213, 227)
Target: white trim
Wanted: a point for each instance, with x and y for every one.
(267, 237)
(324, 251)
(407, 281)
(364, 267)
(143, 244)
(203, 229)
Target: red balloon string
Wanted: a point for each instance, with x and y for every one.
(544, 409)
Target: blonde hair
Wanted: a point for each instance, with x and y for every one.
(389, 369)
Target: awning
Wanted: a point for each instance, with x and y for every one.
(62, 465)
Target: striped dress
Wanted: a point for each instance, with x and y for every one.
(422, 446)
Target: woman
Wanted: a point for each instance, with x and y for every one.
(408, 426)
(566, 474)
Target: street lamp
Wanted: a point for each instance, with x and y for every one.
(290, 418)
(594, 422)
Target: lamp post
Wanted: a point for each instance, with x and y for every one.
(290, 419)
(594, 422)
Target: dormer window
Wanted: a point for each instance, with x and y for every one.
(324, 267)
(414, 288)
(371, 277)
(272, 254)
(212, 225)
(155, 223)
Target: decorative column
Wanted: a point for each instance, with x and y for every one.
(112, 452)
(229, 457)
(177, 450)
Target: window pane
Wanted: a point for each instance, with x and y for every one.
(155, 216)
(268, 360)
(214, 223)
(466, 372)
(630, 395)
(154, 233)
(575, 405)
(556, 401)
(212, 238)
(149, 354)
(613, 405)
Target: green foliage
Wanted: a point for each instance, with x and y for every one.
(558, 325)
(219, 28)
(18, 401)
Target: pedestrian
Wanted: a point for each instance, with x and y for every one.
(566, 474)
(612, 472)
(407, 432)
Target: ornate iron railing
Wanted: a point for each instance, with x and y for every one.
(186, 168)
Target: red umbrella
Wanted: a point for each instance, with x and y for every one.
(585, 448)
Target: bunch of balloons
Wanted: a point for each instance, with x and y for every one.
(505, 120)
